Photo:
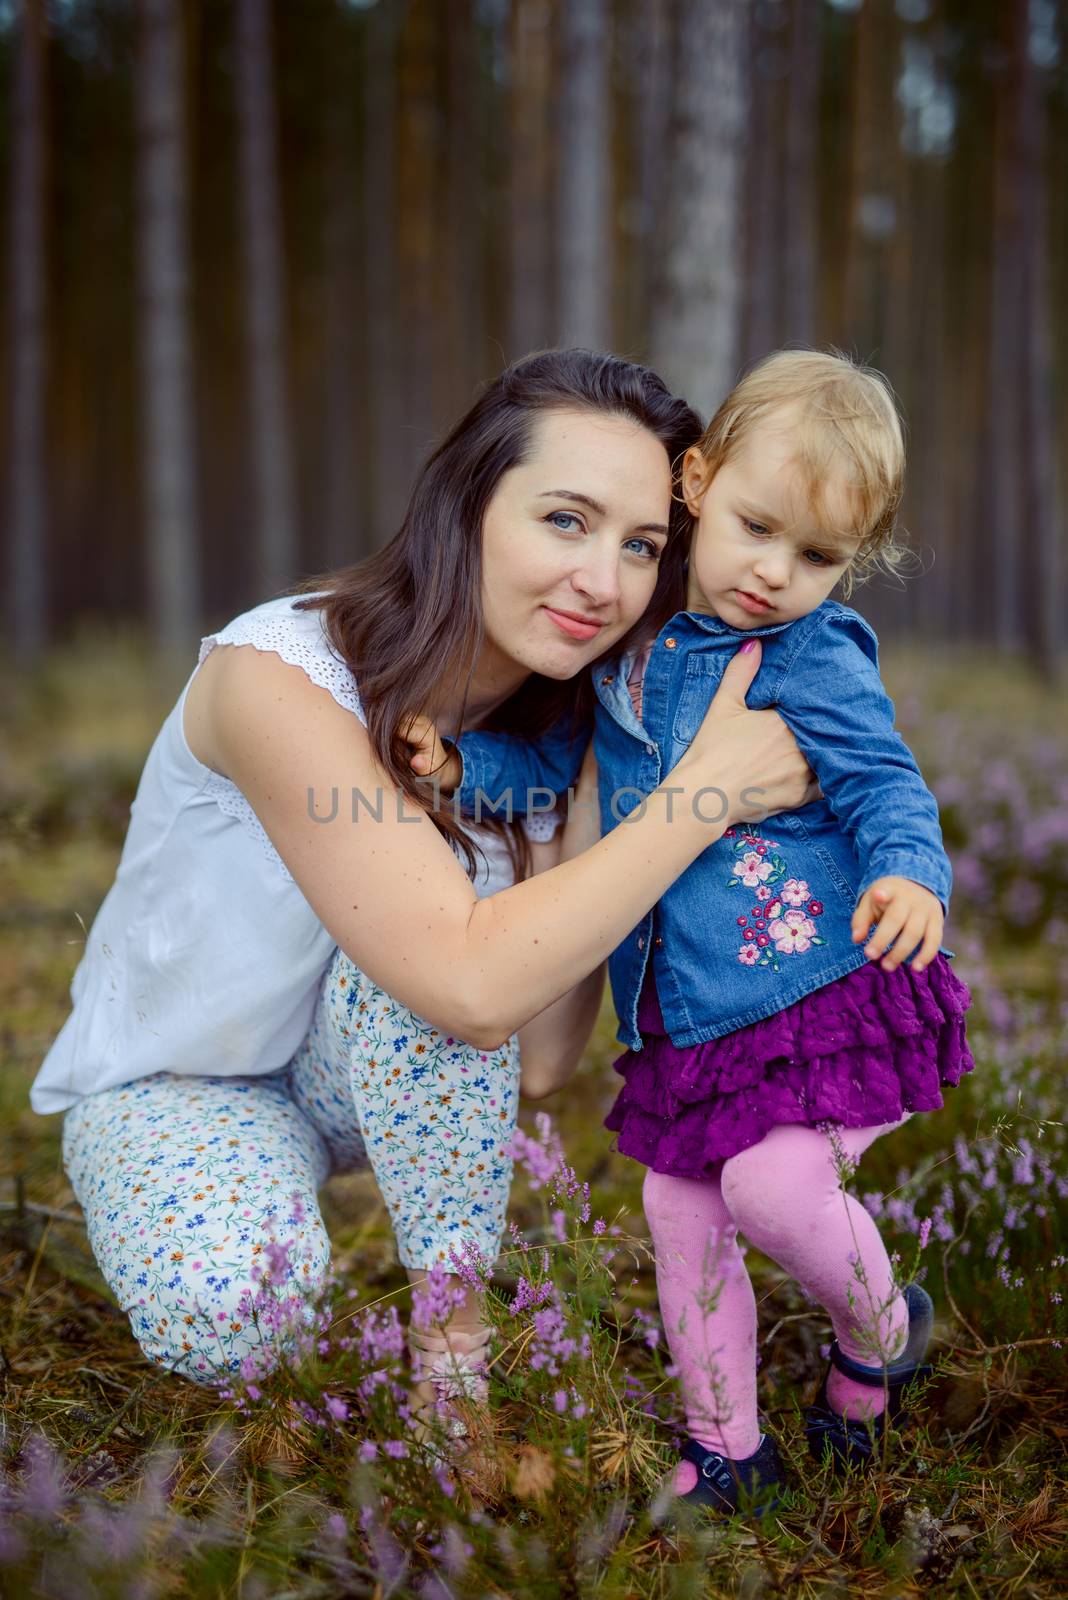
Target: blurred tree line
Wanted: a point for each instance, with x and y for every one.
(259, 256)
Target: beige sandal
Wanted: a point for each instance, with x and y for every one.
(453, 1363)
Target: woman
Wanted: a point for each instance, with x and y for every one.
(293, 972)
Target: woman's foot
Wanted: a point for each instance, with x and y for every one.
(854, 1440)
(449, 1377)
(724, 1484)
(452, 1419)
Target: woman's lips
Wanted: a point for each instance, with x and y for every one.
(752, 603)
(572, 627)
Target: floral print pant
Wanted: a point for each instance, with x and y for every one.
(184, 1179)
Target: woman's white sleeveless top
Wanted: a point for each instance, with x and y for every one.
(205, 958)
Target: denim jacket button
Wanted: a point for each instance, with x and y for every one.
(641, 942)
(610, 679)
(669, 644)
(650, 749)
(659, 943)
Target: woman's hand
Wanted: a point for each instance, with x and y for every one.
(430, 758)
(754, 750)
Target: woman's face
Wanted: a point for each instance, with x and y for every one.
(570, 545)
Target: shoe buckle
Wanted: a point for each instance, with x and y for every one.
(715, 1470)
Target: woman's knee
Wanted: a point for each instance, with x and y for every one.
(247, 1322)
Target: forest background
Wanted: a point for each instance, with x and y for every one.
(256, 257)
(260, 258)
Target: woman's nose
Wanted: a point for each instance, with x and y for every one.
(597, 574)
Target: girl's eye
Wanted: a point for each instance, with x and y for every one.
(559, 517)
(820, 559)
(649, 548)
(754, 527)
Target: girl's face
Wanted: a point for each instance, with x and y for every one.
(570, 545)
(759, 555)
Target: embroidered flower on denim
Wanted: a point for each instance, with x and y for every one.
(782, 920)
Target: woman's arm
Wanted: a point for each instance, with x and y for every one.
(551, 1045)
(395, 898)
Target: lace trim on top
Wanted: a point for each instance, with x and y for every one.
(542, 825)
(281, 632)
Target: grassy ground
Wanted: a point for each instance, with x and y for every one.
(120, 1480)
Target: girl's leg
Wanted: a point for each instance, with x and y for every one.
(786, 1196)
(709, 1313)
(179, 1178)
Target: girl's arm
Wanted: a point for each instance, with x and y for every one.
(551, 1045)
(834, 700)
(393, 895)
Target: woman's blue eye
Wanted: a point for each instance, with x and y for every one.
(556, 517)
(649, 547)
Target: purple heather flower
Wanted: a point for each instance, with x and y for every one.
(435, 1300)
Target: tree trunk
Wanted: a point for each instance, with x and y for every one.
(800, 201)
(530, 187)
(875, 204)
(378, 226)
(1009, 327)
(696, 314)
(584, 232)
(418, 237)
(931, 389)
(1042, 555)
(643, 147)
(460, 288)
(762, 212)
(265, 327)
(346, 417)
(173, 554)
(27, 596)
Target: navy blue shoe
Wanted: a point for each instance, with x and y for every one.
(853, 1442)
(753, 1484)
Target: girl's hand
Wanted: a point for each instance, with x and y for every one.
(430, 758)
(908, 915)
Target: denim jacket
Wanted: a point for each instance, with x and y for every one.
(762, 916)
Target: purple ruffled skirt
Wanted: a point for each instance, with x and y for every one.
(863, 1050)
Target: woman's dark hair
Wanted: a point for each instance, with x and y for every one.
(409, 617)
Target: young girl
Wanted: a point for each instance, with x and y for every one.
(766, 1049)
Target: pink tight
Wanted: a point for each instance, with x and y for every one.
(786, 1196)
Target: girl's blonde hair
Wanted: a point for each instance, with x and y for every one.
(844, 414)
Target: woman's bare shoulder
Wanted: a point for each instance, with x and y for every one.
(237, 680)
